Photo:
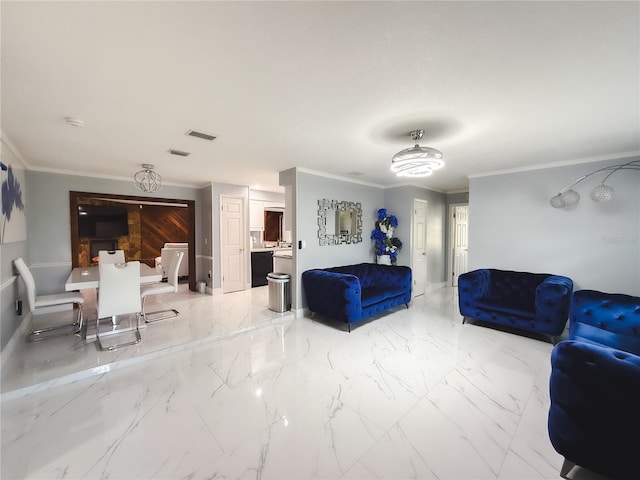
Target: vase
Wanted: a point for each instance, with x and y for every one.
(384, 260)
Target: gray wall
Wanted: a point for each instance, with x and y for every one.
(399, 201)
(309, 189)
(49, 237)
(512, 226)
(204, 260)
(10, 288)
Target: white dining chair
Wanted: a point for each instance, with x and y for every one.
(119, 288)
(36, 301)
(110, 256)
(170, 286)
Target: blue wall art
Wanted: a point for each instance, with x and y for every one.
(13, 227)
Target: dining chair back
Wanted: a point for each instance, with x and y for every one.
(110, 256)
(36, 301)
(119, 294)
(170, 286)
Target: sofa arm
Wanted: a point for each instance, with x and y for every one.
(335, 295)
(472, 286)
(553, 298)
(595, 393)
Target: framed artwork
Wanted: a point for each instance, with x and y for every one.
(13, 226)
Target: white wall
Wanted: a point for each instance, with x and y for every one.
(512, 226)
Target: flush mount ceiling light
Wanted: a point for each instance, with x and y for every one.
(416, 161)
(600, 194)
(74, 122)
(147, 180)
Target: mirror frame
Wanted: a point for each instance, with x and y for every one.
(325, 205)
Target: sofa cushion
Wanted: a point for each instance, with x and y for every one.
(373, 295)
(507, 305)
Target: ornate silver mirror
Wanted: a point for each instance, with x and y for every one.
(339, 222)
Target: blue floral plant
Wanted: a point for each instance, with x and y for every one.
(385, 242)
(11, 197)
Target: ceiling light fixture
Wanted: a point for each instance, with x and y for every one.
(147, 180)
(74, 122)
(600, 194)
(416, 161)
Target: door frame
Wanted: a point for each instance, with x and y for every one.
(451, 209)
(191, 206)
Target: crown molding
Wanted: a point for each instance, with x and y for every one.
(565, 163)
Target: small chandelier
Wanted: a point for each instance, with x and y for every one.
(147, 180)
(602, 193)
(416, 161)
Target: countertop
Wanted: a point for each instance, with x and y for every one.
(271, 249)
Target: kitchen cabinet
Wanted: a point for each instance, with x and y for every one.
(256, 215)
(283, 262)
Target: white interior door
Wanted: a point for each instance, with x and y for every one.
(419, 247)
(232, 245)
(460, 242)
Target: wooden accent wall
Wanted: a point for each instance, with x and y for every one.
(160, 224)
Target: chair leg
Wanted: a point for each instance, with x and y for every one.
(164, 314)
(74, 328)
(137, 340)
(567, 465)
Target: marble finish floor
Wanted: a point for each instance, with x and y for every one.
(202, 318)
(413, 394)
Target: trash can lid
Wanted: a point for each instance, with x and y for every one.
(278, 275)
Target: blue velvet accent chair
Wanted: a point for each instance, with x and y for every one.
(594, 387)
(534, 302)
(353, 293)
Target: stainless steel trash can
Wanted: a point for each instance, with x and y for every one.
(279, 296)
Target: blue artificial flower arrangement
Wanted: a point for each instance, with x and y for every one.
(385, 242)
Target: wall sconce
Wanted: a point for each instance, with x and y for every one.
(601, 193)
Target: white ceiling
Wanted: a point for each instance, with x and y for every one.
(334, 87)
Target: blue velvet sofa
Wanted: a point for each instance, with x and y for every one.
(594, 386)
(352, 293)
(535, 302)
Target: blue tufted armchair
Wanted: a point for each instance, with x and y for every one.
(594, 388)
(536, 302)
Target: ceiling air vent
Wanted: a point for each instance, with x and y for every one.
(180, 153)
(205, 136)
